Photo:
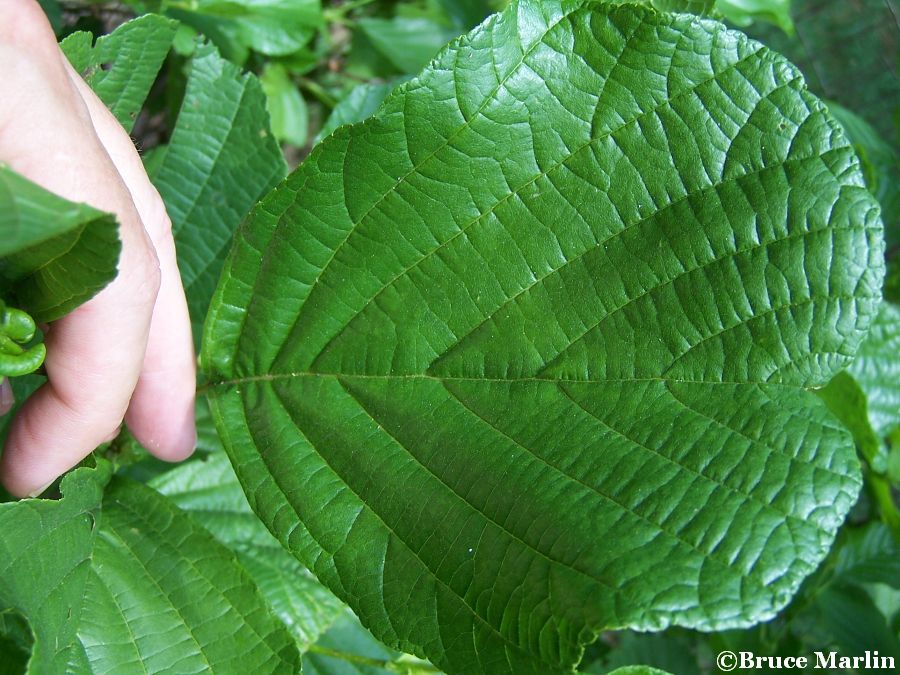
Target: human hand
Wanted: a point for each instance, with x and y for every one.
(127, 353)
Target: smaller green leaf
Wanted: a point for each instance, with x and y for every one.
(163, 596)
(691, 6)
(45, 555)
(271, 27)
(360, 102)
(185, 41)
(666, 651)
(894, 458)
(846, 399)
(54, 254)
(209, 491)
(15, 632)
(466, 14)
(869, 554)
(287, 109)
(408, 43)
(880, 163)
(854, 623)
(349, 649)
(877, 369)
(122, 66)
(745, 12)
(109, 581)
(226, 35)
(220, 160)
(54, 13)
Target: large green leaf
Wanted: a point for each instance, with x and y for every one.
(526, 355)
(122, 66)
(54, 254)
(125, 582)
(877, 369)
(221, 159)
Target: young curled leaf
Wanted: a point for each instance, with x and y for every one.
(17, 329)
(16, 324)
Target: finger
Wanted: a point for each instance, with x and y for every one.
(161, 414)
(95, 353)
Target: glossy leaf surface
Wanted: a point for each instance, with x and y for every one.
(526, 355)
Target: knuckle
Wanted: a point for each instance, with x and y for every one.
(149, 276)
(139, 272)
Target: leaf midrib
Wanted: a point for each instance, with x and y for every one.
(266, 377)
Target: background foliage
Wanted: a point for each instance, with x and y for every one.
(215, 139)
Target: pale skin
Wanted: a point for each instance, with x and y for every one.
(126, 355)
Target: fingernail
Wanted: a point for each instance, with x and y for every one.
(39, 492)
(7, 400)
